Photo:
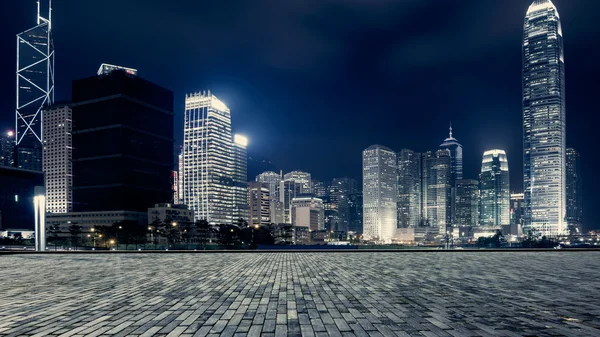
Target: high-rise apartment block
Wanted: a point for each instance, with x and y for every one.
(57, 129)
(7, 149)
(380, 193)
(544, 120)
(273, 181)
(259, 201)
(494, 189)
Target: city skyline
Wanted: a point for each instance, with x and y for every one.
(346, 164)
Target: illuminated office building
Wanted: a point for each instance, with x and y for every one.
(7, 149)
(409, 188)
(436, 189)
(294, 184)
(494, 189)
(380, 193)
(574, 191)
(240, 178)
(273, 181)
(259, 201)
(544, 120)
(466, 203)
(308, 211)
(208, 158)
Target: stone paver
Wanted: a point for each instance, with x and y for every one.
(302, 294)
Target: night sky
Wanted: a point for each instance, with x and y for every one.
(313, 83)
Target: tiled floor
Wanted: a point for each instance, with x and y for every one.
(302, 294)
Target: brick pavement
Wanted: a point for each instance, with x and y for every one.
(302, 294)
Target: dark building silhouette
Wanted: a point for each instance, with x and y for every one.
(574, 191)
(123, 143)
(16, 197)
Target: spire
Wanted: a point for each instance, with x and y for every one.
(450, 129)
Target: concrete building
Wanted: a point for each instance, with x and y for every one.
(308, 211)
(170, 213)
(57, 156)
(259, 200)
(273, 181)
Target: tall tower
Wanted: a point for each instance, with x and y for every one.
(574, 191)
(208, 158)
(456, 157)
(544, 121)
(35, 87)
(494, 189)
(409, 188)
(380, 193)
(240, 178)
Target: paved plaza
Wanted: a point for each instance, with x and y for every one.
(302, 294)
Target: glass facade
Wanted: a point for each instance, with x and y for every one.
(574, 191)
(240, 176)
(294, 183)
(208, 158)
(380, 193)
(494, 189)
(435, 189)
(467, 203)
(409, 188)
(544, 121)
(7, 149)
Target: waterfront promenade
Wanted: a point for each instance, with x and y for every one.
(301, 294)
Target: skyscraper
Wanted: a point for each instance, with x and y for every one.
(240, 176)
(339, 195)
(35, 87)
(356, 213)
(435, 189)
(57, 129)
(409, 188)
(544, 120)
(122, 143)
(494, 190)
(574, 191)
(380, 193)
(259, 202)
(456, 157)
(294, 184)
(273, 181)
(7, 149)
(467, 203)
(208, 158)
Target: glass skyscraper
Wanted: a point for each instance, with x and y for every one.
(435, 189)
(494, 189)
(544, 121)
(380, 193)
(467, 203)
(456, 157)
(208, 158)
(409, 188)
(240, 178)
(574, 191)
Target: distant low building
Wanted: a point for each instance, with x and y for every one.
(89, 220)
(170, 213)
(308, 211)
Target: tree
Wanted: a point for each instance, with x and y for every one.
(54, 231)
(75, 231)
(228, 236)
(203, 232)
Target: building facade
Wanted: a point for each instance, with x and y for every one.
(178, 215)
(7, 149)
(380, 193)
(517, 201)
(57, 129)
(35, 88)
(259, 201)
(308, 211)
(294, 183)
(17, 196)
(544, 120)
(207, 158)
(122, 143)
(273, 181)
(436, 189)
(339, 195)
(574, 191)
(240, 178)
(409, 188)
(494, 189)
(466, 203)
(356, 213)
